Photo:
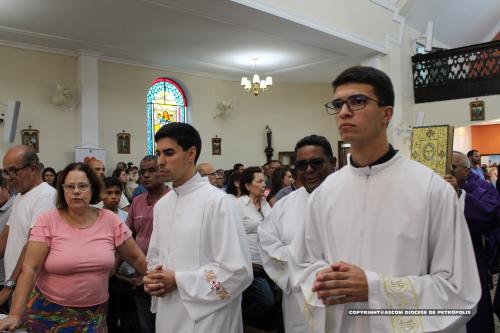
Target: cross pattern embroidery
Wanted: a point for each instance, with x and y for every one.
(216, 286)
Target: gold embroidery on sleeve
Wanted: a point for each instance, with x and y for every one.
(401, 295)
(215, 285)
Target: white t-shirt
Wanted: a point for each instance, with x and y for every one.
(25, 210)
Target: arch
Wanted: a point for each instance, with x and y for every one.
(165, 103)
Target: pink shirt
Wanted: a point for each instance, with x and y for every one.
(76, 270)
(140, 220)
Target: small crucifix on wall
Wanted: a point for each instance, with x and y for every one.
(216, 146)
(123, 142)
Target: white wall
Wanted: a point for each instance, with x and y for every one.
(291, 110)
(462, 139)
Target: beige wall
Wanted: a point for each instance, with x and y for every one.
(31, 77)
(291, 110)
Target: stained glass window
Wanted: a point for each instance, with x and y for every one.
(166, 103)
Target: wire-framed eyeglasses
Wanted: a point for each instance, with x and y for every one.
(354, 103)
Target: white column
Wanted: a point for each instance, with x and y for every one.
(88, 87)
(89, 99)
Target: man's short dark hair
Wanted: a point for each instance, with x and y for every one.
(381, 83)
(184, 134)
(30, 157)
(112, 181)
(237, 166)
(94, 180)
(148, 158)
(471, 152)
(275, 161)
(315, 140)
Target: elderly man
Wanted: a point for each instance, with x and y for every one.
(34, 196)
(314, 163)
(208, 170)
(481, 205)
(379, 232)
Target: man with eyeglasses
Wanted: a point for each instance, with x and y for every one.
(314, 163)
(34, 197)
(481, 205)
(140, 221)
(208, 170)
(383, 232)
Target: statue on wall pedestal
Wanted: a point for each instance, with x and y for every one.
(269, 149)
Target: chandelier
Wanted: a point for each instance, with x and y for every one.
(256, 85)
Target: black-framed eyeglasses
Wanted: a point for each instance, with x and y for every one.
(152, 170)
(12, 172)
(315, 163)
(354, 103)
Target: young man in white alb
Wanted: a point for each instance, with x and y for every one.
(198, 258)
(383, 232)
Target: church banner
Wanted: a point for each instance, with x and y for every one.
(433, 147)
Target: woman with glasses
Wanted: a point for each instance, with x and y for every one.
(70, 253)
(258, 299)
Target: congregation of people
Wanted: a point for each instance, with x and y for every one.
(177, 245)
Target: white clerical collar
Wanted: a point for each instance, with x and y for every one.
(372, 170)
(192, 184)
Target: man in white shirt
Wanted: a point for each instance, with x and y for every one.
(6, 201)
(34, 196)
(383, 232)
(198, 259)
(314, 163)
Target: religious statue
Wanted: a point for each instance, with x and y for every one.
(269, 149)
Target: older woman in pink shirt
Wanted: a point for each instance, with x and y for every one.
(70, 253)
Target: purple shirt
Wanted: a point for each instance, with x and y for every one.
(140, 220)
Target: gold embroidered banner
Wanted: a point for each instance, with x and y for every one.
(433, 147)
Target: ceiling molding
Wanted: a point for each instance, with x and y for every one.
(353, 38)
(115, 60)
(142, 64)
(284, 70)
(56, 37)
(34, 47)
(387, 4)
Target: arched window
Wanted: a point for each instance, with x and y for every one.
(166, 103)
